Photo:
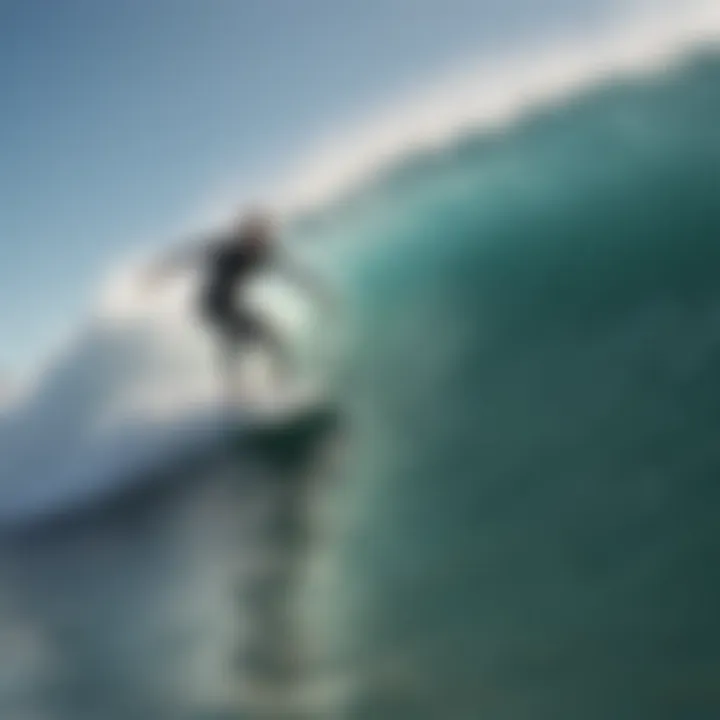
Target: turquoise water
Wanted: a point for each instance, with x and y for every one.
(532, 524)
(523, 524)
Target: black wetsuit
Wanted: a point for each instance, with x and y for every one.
(230, 264)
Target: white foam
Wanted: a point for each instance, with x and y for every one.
(495, 91)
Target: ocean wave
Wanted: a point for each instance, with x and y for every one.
(142, 360)
(493, 93)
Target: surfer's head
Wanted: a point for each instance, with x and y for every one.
(256, 230)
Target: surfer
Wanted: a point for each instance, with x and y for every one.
(228, 260)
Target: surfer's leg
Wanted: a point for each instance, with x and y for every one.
(229, 346)
(217, 317)
(252, 329)
(229, 374)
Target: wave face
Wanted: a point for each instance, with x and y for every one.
(526, 524)
(532, 525)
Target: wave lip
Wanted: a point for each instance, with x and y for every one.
(494, 93)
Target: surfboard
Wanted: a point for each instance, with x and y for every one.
(285, 423)
(275, 403)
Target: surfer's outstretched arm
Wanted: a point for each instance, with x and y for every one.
(190, 255)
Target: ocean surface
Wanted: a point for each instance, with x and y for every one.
(513, 517)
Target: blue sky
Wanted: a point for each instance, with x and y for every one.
(118, 118)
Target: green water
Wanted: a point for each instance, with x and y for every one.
(531, 531)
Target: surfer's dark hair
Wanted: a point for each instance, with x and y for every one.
(255, 224)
